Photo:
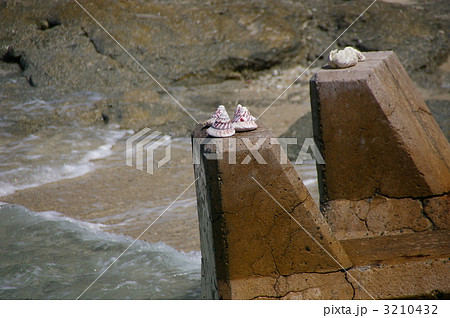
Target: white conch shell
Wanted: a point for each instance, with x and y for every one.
(243, 120)
(214, 116)
(345, 58)
(222, 126)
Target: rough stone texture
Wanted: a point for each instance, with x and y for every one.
(252, 235)
(401, 266)
(198, 40)
(252, 249)
(393, 249)
(347, 219)
(209, 288)
(314, 286)
(438, 210)
(388, 216)
(305, 286)
(377, 216)
(376, 133)
(407, 280)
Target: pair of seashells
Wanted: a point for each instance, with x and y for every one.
(221, 126)
(345, 58)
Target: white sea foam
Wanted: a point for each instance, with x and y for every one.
(54, 155)
(64, 256)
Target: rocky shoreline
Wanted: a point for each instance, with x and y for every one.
(205, 54)
(54, 48)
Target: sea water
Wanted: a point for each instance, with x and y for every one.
(53, 152)
(49, 256)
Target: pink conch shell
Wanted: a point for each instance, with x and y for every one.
(222, 126)
(345, 58)
(243, 120)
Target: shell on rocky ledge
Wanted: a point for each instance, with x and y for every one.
(345, 58)
(243, 120)
(222, 126)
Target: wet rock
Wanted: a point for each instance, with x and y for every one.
(206, 41)
(49, 23)
(136, 109)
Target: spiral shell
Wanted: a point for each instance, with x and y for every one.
(222, 126)
(243, 120)
(214, 116)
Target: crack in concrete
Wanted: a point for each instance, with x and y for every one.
(363, 211)
(394, 198)
(280, 296)
(348, 281)
(425, 215)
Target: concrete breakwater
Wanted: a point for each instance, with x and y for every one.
(387, 166)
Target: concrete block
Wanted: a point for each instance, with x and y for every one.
(376, 133)
(378, 216)
(437, 209)
(245, 235)
(406, 280)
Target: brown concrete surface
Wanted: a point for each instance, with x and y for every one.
(387, 166)
(437, 209)
(410, 266)
(384, 216)
(251, 249)
(398, 248)
(410, 280)
(245, 232)
(376, 133)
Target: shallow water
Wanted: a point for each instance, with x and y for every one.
(51, 153)
(49, 256)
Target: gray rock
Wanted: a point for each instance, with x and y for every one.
(57, 48)
(301, 129)
(441, 112)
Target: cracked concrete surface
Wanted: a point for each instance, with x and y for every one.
(376, 133)
(255, 240)
(385, 216)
